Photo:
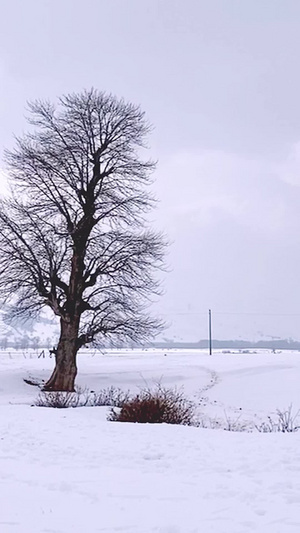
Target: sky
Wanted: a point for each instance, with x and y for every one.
(220, 82)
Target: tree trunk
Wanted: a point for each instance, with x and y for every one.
(64, 373)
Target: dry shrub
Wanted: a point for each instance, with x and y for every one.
(111, 396)
(285, 422)
(58, 399)
(157, 406)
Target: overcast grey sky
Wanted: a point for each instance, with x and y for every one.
(220, 81)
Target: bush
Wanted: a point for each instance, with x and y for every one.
(156, 406)
(59, 400)
(286, 422)
(111, 396)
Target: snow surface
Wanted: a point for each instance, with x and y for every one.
(72, 471)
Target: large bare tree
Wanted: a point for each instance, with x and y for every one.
(73, 235)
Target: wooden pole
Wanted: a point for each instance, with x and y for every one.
(209, 332)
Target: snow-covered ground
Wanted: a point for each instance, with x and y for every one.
(71, 471)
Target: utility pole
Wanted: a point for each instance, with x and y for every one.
(209, 332)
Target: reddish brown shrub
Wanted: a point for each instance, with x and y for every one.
(156, 406)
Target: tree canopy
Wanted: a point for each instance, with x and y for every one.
(73, 231)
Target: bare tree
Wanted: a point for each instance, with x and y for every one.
(73, 233)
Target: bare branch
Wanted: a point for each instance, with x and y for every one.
(73, 234)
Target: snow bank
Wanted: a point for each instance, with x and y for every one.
(71, 471)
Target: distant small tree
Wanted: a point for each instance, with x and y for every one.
(35, 343)
(4, 343)
(48, 343)
(73, 235)
(17, 343)
(24, 343)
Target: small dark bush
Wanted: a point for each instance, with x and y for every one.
(58, 399)
(111, 396)
(156, 406)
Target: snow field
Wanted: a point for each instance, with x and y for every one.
(71, 471)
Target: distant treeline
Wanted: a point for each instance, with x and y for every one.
(278, 344)
(24, 343)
